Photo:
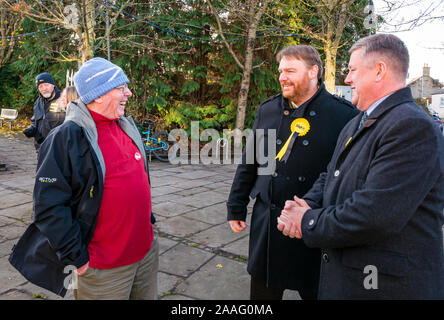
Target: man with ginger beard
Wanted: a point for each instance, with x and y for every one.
(276, 262)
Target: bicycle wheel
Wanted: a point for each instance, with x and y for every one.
(163, 148)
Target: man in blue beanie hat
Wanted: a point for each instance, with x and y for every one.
(92, 198)
(44, 118)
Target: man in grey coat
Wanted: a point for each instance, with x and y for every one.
(377, 213)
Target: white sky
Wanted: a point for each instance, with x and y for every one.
(422, 39)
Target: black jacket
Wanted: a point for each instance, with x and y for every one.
(281, 261)
(67, 196)
(44, 119)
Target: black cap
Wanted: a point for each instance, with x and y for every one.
(44, 78)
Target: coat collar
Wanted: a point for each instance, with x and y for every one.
(400, 96)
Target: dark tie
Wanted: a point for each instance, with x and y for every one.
(363, 119)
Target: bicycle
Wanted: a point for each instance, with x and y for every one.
(159, 144)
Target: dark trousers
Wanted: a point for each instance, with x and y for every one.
(260, 291)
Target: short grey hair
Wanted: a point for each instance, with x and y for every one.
(306, 53)
(388, 46)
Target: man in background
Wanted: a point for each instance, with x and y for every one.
(45, 117)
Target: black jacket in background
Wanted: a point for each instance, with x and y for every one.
(45, 119)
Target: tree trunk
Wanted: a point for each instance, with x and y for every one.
(330, 67)
(245, 83)
(9, 24)
(335, 28)
(255, 17)
(87, 38)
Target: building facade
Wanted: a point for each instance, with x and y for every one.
(424, 86)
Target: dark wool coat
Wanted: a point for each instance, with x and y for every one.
(281, 261)
(381, 204)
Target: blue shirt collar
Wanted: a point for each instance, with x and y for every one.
(376, 104)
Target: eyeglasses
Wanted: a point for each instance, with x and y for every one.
(122, 88)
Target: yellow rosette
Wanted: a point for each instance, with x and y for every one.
(299, 127)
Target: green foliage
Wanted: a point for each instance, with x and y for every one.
(176, 76)
(31, 57)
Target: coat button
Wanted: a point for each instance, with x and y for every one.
(305, 142)
(272, 206)
(286, 112)
(337, 173)
(312, 113)
(279, 141)
(325, 258)
(275, 174)
(301, 179)
(311, 222)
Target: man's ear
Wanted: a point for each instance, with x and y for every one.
(98, 100)
(381, 70)
(313, 72)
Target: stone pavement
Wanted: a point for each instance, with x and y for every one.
(200, 257)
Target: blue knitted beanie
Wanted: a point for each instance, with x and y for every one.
(96, 77)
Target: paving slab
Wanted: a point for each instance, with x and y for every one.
(170, 209)
(197, 174)
(15, 199)
(9, 277)
(11, 232)
(167, 180)
(167, 197)
(37, 292)
(22, 213)
(238, 247)
(219, 279)
(167, 283)
(187, 184)
(24, 181)
(164, 190)
(177, 297)
(214, 214)
(183, 260)
(180, 226)
(165, 244)
(217, 236)
(193, 191)
(198, 201)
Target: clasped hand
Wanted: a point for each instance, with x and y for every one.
(290, 220)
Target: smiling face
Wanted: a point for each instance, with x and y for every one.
(298, 81)
(112, 104)
(361, 78)
(46, 89)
